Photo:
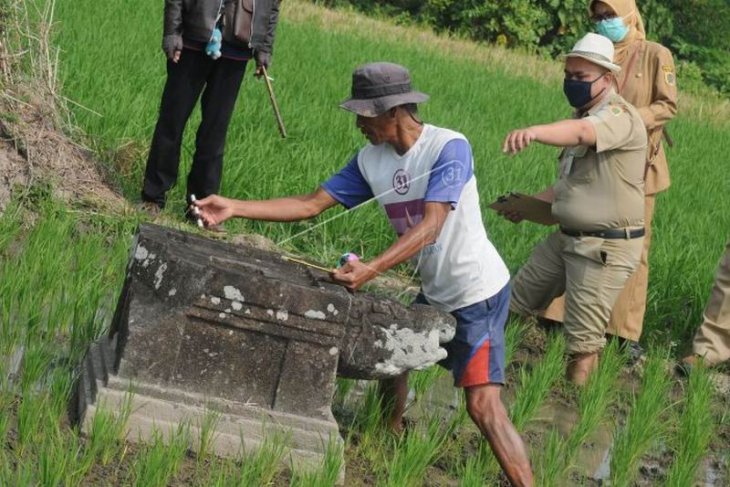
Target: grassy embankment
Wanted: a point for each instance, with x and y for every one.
(61, 273)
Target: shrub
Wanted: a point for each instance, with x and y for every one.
(697, 30)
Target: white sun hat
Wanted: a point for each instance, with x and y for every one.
(596, 49)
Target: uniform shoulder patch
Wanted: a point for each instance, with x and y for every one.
(667, 68)
(670, 78)
(616, 109)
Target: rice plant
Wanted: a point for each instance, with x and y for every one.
(535, 385)
(61, 269)
(159, 462)
(646, 422)
(108, 431)
(415, 451)
(261, 466)
(514, 331)
(696, 427)
(207, 428)
(328, 474)
(594, 400)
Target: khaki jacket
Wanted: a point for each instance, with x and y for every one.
(648, 81)
(602, 187)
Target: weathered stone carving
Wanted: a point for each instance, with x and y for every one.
(202, 325)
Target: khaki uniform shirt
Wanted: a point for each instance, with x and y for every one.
(648, 81)
(602, 187)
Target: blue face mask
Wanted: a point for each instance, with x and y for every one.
(578, 92)
(615, 29)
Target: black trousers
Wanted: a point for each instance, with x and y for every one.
(219, 81)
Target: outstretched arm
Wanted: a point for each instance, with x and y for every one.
(355, 274)
(565, 133)
(216, 209)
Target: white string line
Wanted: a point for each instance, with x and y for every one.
(375, 197)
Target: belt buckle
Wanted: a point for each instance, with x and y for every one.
(628, 233)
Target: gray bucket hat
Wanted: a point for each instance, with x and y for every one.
(378, 87)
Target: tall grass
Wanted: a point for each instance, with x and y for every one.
(594, 401)
(260, 467)
(480, 468)
(646, 423)
(416, 451)
(108, 430)
(535, 385)
(61, 268)
(696, 427)
(312, 67)
(157, 463)
(328, 474)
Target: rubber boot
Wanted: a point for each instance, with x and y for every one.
(580, 367)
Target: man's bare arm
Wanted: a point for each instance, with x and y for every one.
(355, 274)
(216, 209)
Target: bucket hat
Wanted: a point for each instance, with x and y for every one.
(378, 87)
(596, 49)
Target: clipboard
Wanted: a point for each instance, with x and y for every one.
(531, 208)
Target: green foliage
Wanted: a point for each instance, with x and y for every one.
(261, 466)
(157, 463)
(698, 30)
(696, 429)
(505, 22)
(414, 453)
(659, 19)
(646, 423)
(535, 384)
(568, 21)
(703, 23)
(702, 35)
(60, 271)
(329, 472)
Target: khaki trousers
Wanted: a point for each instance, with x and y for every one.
(712, 340)
(627, 317)
(590, 271)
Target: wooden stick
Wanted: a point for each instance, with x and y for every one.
(279, 120)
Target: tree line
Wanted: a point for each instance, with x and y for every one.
(697, 31)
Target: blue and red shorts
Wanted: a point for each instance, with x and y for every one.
(476, 354)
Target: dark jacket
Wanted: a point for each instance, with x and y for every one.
(195, 20)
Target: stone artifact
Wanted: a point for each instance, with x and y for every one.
(204, 326)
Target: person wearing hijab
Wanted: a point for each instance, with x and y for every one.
(647, 81)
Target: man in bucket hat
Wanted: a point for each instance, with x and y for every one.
(598, 201)
(423, 178)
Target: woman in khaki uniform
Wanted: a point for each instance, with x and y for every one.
(648, 82)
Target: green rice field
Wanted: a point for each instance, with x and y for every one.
(62, 267)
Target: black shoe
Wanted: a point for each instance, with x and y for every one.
(634, 351)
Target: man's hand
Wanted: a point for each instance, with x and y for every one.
(172, 45)
(214, 209)
(519, 139)
(354, 274)
(263, 60)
